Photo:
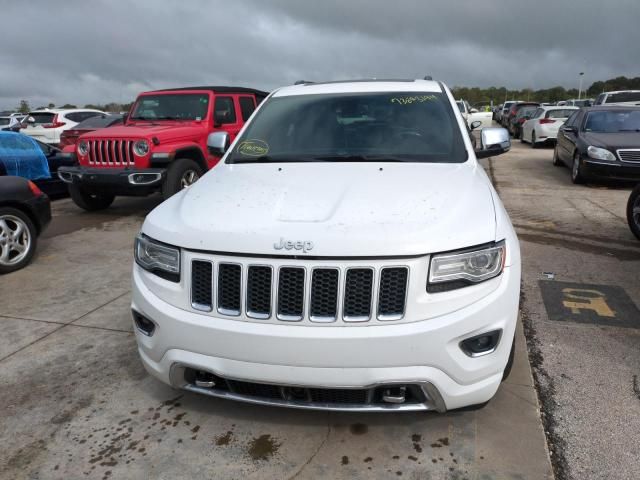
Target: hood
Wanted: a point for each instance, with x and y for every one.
(345, 210)
(167, 131)
(613, 141)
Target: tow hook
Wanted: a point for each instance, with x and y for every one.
(394, 395)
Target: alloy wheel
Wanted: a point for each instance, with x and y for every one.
(189, 178)
(15, 240)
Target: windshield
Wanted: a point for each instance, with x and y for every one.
(613, 121)
(4, 121)
(171, 107)
(393, 126)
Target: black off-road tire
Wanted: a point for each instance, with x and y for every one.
(11, 215)
(177, 174)
(633, 211)
(89, 201)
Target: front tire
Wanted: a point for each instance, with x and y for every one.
(556, 160)
(577, 176)
(512, 356)
(18, 239)
(182, 173)
(89, 201)
(633, 211)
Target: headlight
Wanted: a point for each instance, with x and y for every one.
(449, 271)
(83, 147)
(141, 148)
(158, 258)
(601, 154)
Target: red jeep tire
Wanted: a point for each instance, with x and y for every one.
(182, 173)
(89, 201)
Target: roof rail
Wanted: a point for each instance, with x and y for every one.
(428, 77)
(302, 82)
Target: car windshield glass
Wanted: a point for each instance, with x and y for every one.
(365, 127)
(4, 121)
(171, 107)
(613, 121)
(42, 117)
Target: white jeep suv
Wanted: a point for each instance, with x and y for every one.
(348, 252)
(47, 124)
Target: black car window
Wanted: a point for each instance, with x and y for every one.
(224, 111)
(100, 121)
(623, 97)
(572, 120)
(246, 107)
(42, 117)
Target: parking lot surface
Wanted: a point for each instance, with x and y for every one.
(581, 291)
(75, 401)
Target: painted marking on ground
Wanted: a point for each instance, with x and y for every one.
(583, 303)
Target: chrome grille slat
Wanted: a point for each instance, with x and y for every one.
(630, 155)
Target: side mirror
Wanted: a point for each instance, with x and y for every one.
(569, 128)
(473, 110)
(475, 124)
(493, 141)
(30, 120)
(218, 143)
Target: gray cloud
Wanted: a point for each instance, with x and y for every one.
(81, 51)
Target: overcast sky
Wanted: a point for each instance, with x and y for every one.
(82, 51)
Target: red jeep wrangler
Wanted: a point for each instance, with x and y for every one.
(162, 144)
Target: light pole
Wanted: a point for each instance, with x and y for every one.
(580, 86)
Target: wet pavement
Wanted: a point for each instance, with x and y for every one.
(75, 401)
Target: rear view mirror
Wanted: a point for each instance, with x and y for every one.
(493, 141)
(218, 143)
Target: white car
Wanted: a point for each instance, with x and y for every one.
(47, 124)
(10, 123)
(347, 252)
(544, 123)
(472, 115)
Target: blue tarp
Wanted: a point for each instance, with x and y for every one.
(22, 157)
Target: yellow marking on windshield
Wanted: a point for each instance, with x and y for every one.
(413, 99)
(253, 148)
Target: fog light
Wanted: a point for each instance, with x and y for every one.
(205, 379)
(143, 324)
(482, 344)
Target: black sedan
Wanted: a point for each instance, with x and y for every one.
(24, 213)
(600, 142)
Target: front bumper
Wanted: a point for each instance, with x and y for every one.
(114, 181)
(611, 170)
(425, 353)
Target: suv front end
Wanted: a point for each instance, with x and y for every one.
(377, 286)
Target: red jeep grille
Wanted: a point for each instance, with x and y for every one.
(111, 152)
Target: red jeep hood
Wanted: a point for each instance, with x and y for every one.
(164, 132)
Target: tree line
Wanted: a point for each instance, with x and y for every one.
(554, 94)
(471, 94)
